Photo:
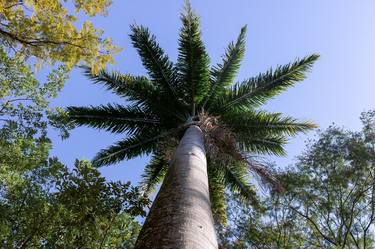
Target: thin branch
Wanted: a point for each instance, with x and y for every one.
(13, 5)
(315, 225)
(36, 42)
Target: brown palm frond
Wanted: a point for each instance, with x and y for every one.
(265, 174)
(222, 147)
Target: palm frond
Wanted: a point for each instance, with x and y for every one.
(113, 118)
(224, 74)
(256, 91)
(193, 60)
(264, 172)
(236, 179)
(154, 173)
(139, 144)
(253, 122)
(139, 90)
(262, 144)
(133, 88)
(156, 62)
(217, 193)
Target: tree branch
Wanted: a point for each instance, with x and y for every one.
(315, 225)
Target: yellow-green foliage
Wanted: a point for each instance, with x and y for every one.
(46, 29)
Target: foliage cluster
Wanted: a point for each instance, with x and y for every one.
(43, 203)
(328, 202)
(46, 30)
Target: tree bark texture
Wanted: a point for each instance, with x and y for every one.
(181, 215)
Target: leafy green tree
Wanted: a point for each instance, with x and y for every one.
(24, 100)
(24, 116)
(42, 203)
(337, 198)
(218, 121)
(273, 226)
(45, 29)
(328, 199)
(52, 207)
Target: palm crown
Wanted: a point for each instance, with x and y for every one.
(175, 95)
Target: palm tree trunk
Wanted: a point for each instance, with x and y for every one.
(181, 216)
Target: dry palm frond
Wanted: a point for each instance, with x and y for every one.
(222, 147)
(265, 174)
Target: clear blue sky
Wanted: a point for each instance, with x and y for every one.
(338, 89)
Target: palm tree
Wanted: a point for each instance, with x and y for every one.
(199, 127)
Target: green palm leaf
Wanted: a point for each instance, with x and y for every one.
(256, 91)
(113, 118)
(224, 74)
(193, 61)
(262, 144)
(139, 144)
(236, 179)
(133, 88)
(158, 65)
(139, 90)
(252, 122)
(154, 173)
(217, 192)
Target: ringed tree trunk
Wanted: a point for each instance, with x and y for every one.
(181, 215)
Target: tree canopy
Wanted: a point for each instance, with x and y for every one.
(328, 202)
(47, 31)
(43, 203)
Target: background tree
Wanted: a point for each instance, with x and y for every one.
(46, 30)
(24, 101)
(51, 207)
(338, 179)
(274, 225)
(42, 203)
(213, 115)
(329, 197)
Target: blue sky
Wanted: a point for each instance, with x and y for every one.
(339, 88)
